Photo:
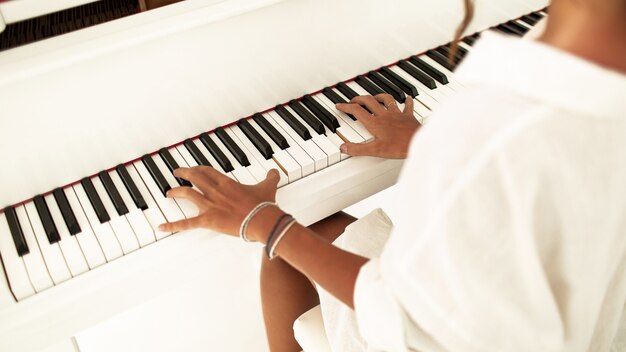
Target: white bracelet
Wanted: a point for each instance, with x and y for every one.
(244, 224)
(280, 237)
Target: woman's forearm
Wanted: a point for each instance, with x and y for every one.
(333, 269)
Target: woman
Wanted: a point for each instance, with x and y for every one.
(511, 236)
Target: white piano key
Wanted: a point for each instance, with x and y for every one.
(212, 160)
(184, 153)
(35, 265)
(135, 216)
(51, 252)
(468, 47)
(255, 169)
(86, 238)
(357, 88)
(242, 175)
(69, 245)
(337, 141)
(430, 98)
(356, 125)
(267, 164)
(327, 146)
(177, 157)
(104, 233)
(315, 153)
(153, 214)
(453, 85)
(297, 153)
(168, 206)
(124, 233)
(13, 264)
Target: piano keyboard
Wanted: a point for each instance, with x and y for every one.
(73, 229)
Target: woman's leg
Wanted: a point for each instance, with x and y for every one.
(286, 293)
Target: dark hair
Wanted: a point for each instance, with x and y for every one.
(469, 14)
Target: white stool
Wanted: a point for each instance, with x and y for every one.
(309, 331)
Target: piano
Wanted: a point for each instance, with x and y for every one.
(94, 121)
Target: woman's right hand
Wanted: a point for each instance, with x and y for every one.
(392, 129)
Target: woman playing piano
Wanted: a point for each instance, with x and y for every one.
(511, 230)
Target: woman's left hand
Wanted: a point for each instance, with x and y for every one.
(222, 202)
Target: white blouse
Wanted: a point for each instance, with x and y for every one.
(512, 226)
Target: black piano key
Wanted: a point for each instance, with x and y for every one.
(502, 30)
(296, 125)
(528, 19)
(156, 174)
(217, 153)
(366, 84)
(536, 16)
(94, 199)
(46, 219)
(350, 93)
(172, 165)
(460, 50)
(335, 98)
(440, 59)
(314, 123)
(510, 29)
(131, 187)
(402, 83)
(113, 193)
(518, 26)
(271, 131)
(253, 135)
(16, 231)
(321, 112)
(445, 51)
(347, 91)
(428, 69)
(417, 74)
(196, 153)
(387, 86)
(241, 157)
(66, 211)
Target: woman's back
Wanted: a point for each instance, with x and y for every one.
(514, 208)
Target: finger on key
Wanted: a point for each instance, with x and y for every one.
(355, 110)
(181, 225)
(388, 101)
(370, 103)
(201, 176)
(187, 193)
(408, 107)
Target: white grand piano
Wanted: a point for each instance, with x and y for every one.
(93, 121)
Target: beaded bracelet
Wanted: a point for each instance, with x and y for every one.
(244, 224)
(272, 251)
(278, 227)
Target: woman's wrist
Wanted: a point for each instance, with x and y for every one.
(261, 225)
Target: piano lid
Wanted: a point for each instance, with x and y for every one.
(73, 105)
